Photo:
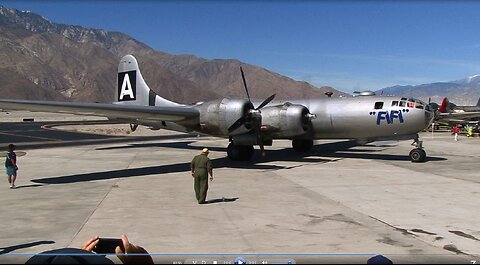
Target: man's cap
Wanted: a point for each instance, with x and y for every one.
(205, 150)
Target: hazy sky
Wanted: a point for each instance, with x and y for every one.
(350, 45)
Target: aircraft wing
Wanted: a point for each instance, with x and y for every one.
(173, 114)
(458, 115)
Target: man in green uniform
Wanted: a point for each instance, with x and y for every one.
(201, 166)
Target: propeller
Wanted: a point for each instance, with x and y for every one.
(434, 107)
(252, 115)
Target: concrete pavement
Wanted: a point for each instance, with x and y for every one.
(339, 199)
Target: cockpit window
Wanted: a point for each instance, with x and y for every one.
(403, 103)
(378, 105)
(394, 103)
(419, 106)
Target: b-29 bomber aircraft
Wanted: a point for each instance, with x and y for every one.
(249, 123)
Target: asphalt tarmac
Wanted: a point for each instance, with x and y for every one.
(340, 203)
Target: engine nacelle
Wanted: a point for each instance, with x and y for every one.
(286, 121)
(218, 115)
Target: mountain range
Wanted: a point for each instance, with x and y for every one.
(50, 61)
(461, 92)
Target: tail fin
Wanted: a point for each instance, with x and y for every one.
(478, 102)
(443, 108)
(132, 89)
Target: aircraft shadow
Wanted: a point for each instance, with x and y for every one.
(5, 250)
(176, 145)
(343, 150)
(145, 171)
(385, 157)
(336, 151)
(339, 150)
(223, 162)
(272, 155)
(285, 154)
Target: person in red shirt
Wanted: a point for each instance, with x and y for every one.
(456, 131)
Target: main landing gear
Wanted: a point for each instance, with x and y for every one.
(302, 145)
(240, 152)
(418, 155)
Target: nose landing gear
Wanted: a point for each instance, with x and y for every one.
(418, 155)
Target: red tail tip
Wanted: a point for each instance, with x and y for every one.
(443, 107)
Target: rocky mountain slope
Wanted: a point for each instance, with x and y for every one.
(45, 60)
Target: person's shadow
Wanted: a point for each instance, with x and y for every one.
(5, 250)
(28, 186)
(221, 200)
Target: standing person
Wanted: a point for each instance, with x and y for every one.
(201, 166)
(11, 165)
(456, 131)
(469, 131)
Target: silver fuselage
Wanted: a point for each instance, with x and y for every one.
(361, 117)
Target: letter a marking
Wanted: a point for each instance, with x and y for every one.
(126, 88)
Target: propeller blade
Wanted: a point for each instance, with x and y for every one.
(262, 148)
(266, 101)
(237, 124)
(245, 83)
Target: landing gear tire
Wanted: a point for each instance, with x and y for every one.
(302, 145)
(133, 126)
(239, 152)
(418, 155)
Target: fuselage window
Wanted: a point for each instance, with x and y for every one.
(378, 105)
(394, 103)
